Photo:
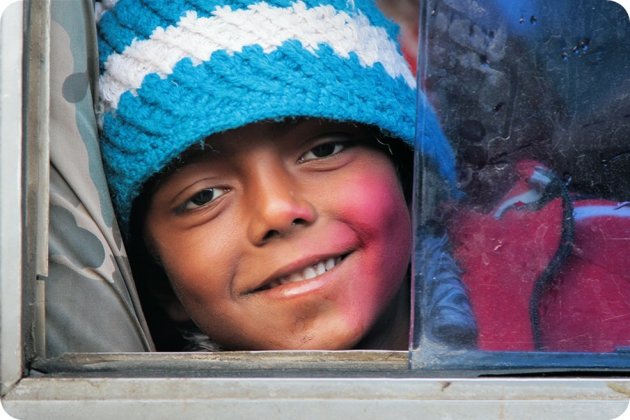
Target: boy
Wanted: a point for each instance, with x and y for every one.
(255, 155)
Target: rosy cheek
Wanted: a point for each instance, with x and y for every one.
(376, 205)
(375, 202)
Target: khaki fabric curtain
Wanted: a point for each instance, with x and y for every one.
(91, 302)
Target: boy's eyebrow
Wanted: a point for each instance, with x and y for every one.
(194, 154)
(198, 152)
(204, 147)
(281, 127)
(309, 125)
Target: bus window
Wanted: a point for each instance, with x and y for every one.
(537, 113)
(83, 346)
(527, 250)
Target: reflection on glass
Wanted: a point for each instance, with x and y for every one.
(535, 98)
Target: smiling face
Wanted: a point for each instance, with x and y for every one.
(285, 236)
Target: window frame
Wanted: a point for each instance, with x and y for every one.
(236, 384)
(11, 256)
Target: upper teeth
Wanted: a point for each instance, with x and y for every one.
(308, 273)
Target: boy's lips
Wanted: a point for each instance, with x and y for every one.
(301, 271)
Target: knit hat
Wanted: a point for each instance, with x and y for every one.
(174, 72)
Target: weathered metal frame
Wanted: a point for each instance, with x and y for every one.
(368, 385)
(11, 191)
(315, 398)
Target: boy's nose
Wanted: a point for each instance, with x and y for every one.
(277, 207)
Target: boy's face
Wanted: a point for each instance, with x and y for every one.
(283, 235)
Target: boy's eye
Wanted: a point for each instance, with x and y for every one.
(324, 150)
(203, 197)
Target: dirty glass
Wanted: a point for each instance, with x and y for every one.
(525, 262)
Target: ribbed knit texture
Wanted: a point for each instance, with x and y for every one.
(176, 71)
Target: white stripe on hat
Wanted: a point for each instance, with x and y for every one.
(260, 24)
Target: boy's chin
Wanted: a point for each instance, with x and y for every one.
(390, 331)
(324, 341)
(329, 336)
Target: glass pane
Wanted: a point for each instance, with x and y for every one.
(531, 253)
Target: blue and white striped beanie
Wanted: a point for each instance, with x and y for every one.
(176, 71)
